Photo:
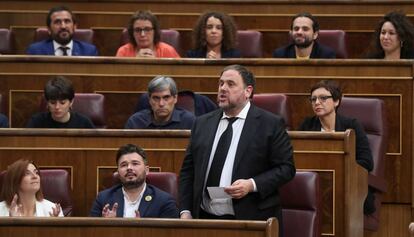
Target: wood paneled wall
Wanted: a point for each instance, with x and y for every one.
(272, 18)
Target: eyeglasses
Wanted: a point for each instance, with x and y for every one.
(321, 98)
(145, 30)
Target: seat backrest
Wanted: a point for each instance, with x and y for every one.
(250, 43)
(55, 187)
(370, 113)
(186, 101)
(165, 181)
(336, 40)
(89, 104)
(6, 41)
(171, 37)
(301, 205)
(274, 103)
(85, 35)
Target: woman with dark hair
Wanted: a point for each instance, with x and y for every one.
(325, 99)
(214, 36)
(59, 94)
(22, 193)
(144, 38)
(393, 38)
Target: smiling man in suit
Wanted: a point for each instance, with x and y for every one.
(241, 148)
(134, 197)
(304, 33)
(61, 24)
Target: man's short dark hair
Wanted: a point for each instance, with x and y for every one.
(131, 148)
(315, 25)
(59, 88)
(59, 9)
(246, 75)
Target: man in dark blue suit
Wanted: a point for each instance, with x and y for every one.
(61, 25)
(304, 33)
(134, 197)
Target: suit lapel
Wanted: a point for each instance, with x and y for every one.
(338, 123)
(249, 127)
(76, 49)
(49, 47)
(119, 198)
(146, 201)
(211, 128)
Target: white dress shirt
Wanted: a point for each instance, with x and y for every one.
(59, 52)
(131, 206)
(221, 207)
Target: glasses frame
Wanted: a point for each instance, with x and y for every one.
(146, 30)
(322, 98)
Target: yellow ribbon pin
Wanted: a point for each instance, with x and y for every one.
(148, 198)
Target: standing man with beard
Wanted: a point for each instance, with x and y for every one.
(241, 151)
(61, 24)
(134, 197)
(304, 33)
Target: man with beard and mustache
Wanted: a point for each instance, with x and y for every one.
(133, 197)
(163, 114)
(61, 25)
(304, 33)
(240, 150)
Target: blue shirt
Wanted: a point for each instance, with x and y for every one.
(180, 119)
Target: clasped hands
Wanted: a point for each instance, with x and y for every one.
(146, 52)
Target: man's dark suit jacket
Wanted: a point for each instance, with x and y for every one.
(318, 51)
(155, 203)
(264, 153)
(45, 47)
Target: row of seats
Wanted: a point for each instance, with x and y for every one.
(370, 112)
(300, 198)
(249, 41)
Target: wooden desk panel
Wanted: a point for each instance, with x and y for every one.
(148, 227)
(91, 156)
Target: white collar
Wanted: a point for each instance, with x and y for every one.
(56, 46)
(242, 114)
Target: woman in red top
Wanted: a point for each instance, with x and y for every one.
(144, 36)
